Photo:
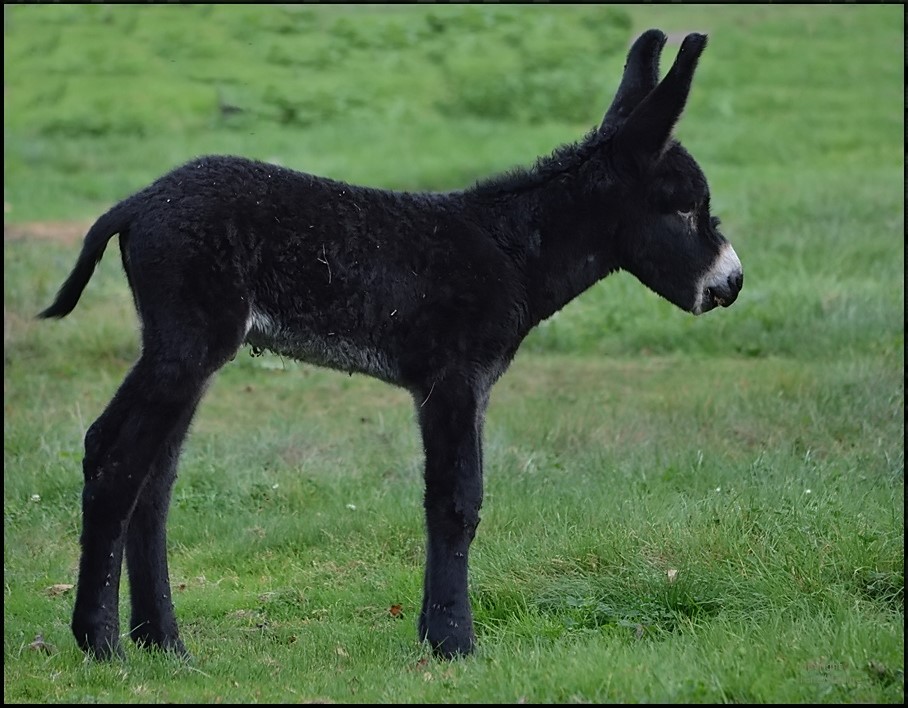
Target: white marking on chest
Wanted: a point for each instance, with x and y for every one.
(259, 321)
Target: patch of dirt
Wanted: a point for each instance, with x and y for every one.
(65, 232)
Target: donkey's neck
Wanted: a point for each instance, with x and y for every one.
(561, 244)
(575, 252)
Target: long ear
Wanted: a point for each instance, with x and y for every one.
(647, 130)
(641, 74)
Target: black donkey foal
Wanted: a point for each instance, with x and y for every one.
(431, 292)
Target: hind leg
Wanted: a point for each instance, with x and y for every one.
(153, 623)
(119, 449)
(193, 312)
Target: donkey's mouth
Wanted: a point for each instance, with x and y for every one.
(718, 300)
(714, 297)
(704, 303)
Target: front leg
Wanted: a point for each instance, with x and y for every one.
(451, 424)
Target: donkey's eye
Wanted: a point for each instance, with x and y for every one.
(686, 215)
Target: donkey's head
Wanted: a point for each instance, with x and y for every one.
(670, 241)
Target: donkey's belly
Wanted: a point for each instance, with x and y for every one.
(333, 349)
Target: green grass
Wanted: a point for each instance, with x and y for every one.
(677, 509)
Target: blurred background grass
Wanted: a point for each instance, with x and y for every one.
(370, 94)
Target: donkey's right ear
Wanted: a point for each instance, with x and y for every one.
(641, 75)
(647, 131)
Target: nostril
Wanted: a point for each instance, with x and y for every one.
(736, 281)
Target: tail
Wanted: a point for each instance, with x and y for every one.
(113, 222)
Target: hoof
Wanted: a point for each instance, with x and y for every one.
(150, 642)
(98, 640)
(451, 647)
(448, 637)
(102, 649)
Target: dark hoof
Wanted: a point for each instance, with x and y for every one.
(452, 647)
(99, 638)
(102, 649)
(448, 637)
(170, 645)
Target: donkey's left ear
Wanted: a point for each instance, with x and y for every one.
(647, 130)
(641, 74)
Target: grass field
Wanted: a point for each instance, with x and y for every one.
(678, 509)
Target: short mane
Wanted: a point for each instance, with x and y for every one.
(563, 160)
